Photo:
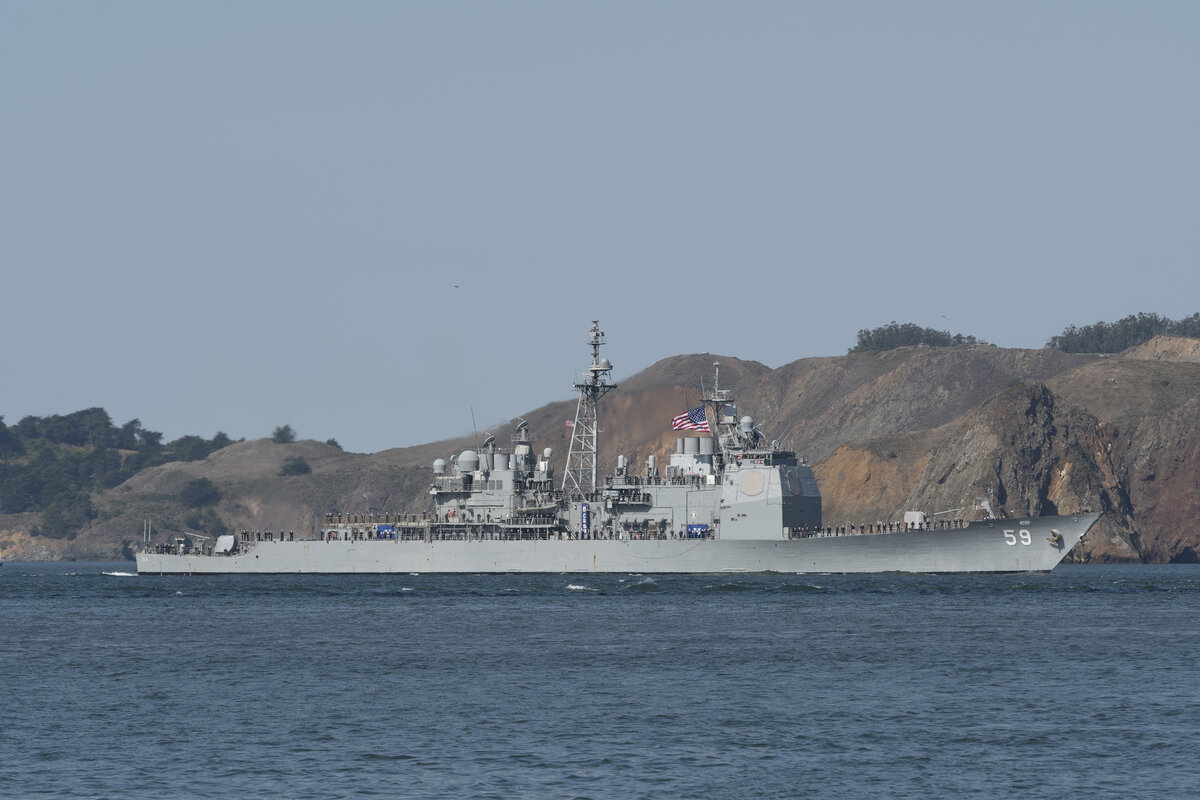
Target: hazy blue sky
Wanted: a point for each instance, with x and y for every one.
(366, 219)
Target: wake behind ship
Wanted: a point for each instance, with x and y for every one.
(728, 501)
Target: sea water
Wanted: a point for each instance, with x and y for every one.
(1078, 683)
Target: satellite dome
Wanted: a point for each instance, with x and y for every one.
(468, 461)
(439, 466)
(747, 425)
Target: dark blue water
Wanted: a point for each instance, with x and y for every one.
(1078, 683)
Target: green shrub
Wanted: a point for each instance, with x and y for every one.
(294, 466)
(200, 493)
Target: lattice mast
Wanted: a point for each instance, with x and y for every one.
(580, 477)
(720, 403)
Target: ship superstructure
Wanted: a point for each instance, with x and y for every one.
(729, 483)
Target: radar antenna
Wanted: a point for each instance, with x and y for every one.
(580, 477)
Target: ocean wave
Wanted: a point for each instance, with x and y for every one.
(643, 585)
(730, 586)
(800, 587)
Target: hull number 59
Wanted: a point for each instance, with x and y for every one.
(1010, 537)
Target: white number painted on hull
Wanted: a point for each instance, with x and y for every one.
(1010, 537)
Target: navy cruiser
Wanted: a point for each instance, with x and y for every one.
(729, 500)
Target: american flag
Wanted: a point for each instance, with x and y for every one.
(693, 420)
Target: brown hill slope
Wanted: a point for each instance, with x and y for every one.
(1167, 348)
(1030, 431)
(825, 402)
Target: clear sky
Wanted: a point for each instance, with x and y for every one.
(367, 219)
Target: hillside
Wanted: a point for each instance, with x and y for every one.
(942, 429)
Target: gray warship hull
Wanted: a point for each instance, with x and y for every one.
(1036, 544)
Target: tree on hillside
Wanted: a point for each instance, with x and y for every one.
(149, 440)
(64, 518)
(190, 448)
(52, 476)
(294, 466)
(103, 466)
(200, 493)
(126, 437)
(90, 427)
(1113, 337)
(10, 443)
(893, 335)
(283, 435)
(51, 465)
(195, 448)
(30, 427)
(18, 489)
